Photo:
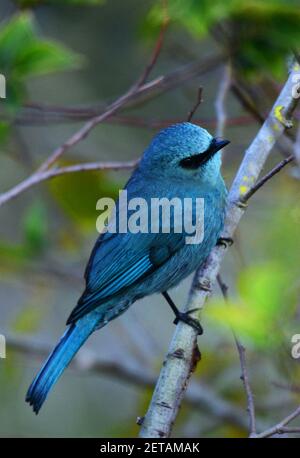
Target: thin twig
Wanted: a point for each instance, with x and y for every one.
(39, 177)
(246, 102)
(242, 357)
(223, 287)
(266, 178)
(34, 117)
(81, 134)
(157, 48)
(247, 386)
(113, 108)
(279, 427)
(161, 83)
(199, 100)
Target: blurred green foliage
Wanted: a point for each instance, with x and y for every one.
(78, 193)
(267, 292)
(24, 54)
(35, 227)
(4, 132)
(32, 3)
(263, 302)
(35, 233)
(258, 34)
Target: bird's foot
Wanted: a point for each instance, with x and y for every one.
(187, 319)
(225, 241)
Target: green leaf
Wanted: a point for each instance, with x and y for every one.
(35, 227)
(42, 57)
(24, 54)
(258, 34)
(14, 36)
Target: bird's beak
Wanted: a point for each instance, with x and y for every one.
(220, 143)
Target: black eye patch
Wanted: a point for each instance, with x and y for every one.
(196, 160)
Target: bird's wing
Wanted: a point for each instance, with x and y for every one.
(119, 261)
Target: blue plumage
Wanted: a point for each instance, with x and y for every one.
(182, 161)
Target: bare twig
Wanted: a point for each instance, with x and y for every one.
(81, 134)
(47, 115)
(246, 101)
(223, 287)
(39, 177)
(266, 178)
(291, 388)
(181, 358)
(133, 94)
(288, 430)
(197, 104)
(157, 48)
(279, 428)
(37, 113)
(245, 380)
(242, 357)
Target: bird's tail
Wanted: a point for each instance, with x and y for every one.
(63, 353)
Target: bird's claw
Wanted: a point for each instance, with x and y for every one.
(225, 241)
(187, 319)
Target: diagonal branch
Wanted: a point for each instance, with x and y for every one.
(280, 428)
(266, 178)
(135, 94)
(182, 355)
(40, 176)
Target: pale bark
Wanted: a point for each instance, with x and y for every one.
(183, 351)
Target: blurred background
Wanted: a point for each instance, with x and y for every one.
(63, 62)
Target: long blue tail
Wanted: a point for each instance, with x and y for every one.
(65, 350)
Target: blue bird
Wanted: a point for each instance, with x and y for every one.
(182, 161)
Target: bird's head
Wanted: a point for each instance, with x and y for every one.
(184, 152)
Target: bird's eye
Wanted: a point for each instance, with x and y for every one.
(192, 162)
(196, 160)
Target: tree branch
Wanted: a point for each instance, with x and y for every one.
(197, 104)
(182, 355)
(40, 176)
(242, 357)
(245, 380)
(135, 93)
(36, 113)
(266, 178)
(279, 428)
(198, 397)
